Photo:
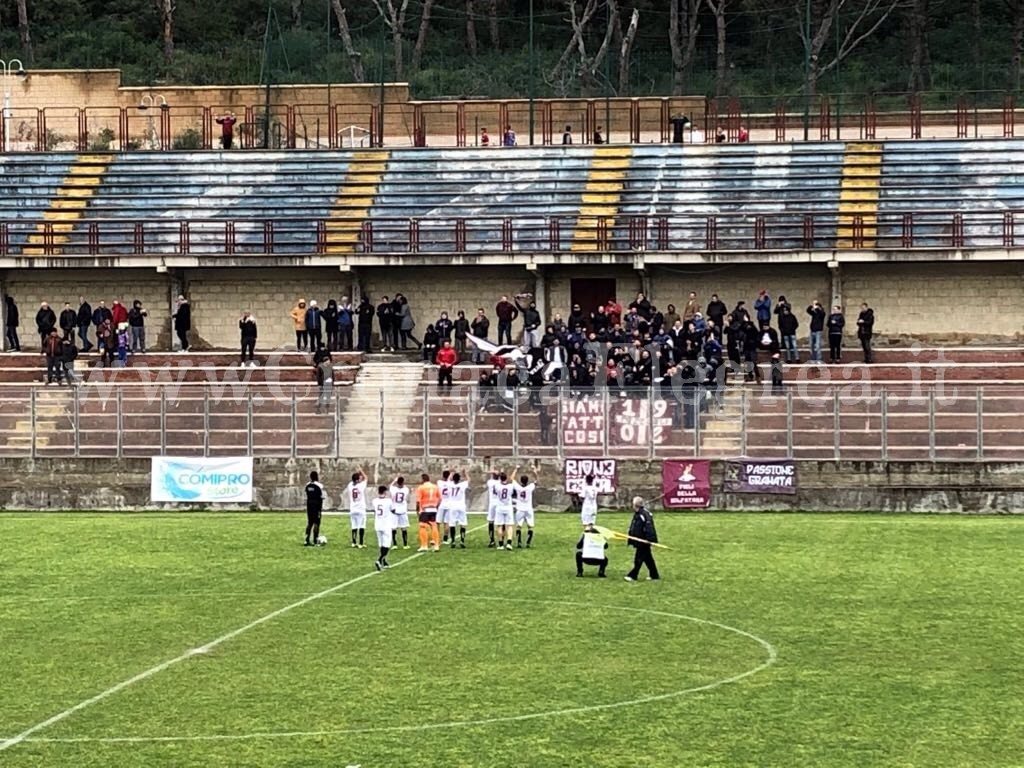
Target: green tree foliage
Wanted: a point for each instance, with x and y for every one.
(969, 45)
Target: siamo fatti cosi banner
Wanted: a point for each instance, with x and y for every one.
(220, 480)
(775, 476)
(686, 483)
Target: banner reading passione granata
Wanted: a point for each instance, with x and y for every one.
(776, 476)
(686, 483)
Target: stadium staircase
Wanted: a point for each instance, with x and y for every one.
(377, 419)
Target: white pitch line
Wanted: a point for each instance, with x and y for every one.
(15, 740)
(771, 658)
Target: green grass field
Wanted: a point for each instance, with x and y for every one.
(898, 642)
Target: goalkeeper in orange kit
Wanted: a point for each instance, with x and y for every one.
(428, 497)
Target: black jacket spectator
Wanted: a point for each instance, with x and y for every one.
(101, 315)
(68, 320)
(817, 313)
(866, 323)
(84, 314)
(480, 327)
(716, 310)
(788, 324)
(46, 320)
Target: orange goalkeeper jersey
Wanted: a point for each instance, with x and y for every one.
(428, 496)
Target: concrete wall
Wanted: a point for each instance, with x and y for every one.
(68, 484)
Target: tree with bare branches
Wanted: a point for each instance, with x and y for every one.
(471, 42)
(719, 9)
(166, 9)
(421, 37)
(345, 33)
(683, 28)
(395, 17)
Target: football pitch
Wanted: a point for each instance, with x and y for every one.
(771, 640)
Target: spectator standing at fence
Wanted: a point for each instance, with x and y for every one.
(385, 319)
(716, 310)
(364, 313)
(817, 313)
(430, 344)
(614, 311)
(11, 323)
(248, 332)
(52, 351)
(567, 136)
(83, 322)
(314, 326)
(68, 355)
(444, 327)
(406, 323)
(692, 307)
(788, 325)
(506, 312)
(763, 307)
(227, 129)
(446, 362)
(461, 329)
(866, 330)
(346, 320)
(46, 321)
(599, 136)
(743, 135)
(642, 534)
(298, 316)
(508, 139)
(330, 318)
(183, 321)
(531, 322)
(124, 341)
(101, 315)
(480, 327)
(780, 306)
(323, 368)
(485, 138)
(118, 312)
(68, 320)
(137, 322)
(836, 323)
(106, 340)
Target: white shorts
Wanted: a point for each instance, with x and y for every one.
(589, 517)
(457, 517)
(503, 517)
(524, 517)
(401, 520)
(383, 537)
(491, 511)
(358, 519)
(442, 513)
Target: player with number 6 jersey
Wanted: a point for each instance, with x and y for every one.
(356, 493)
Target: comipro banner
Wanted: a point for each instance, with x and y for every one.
(224, 480)
(605, 472)
(686, 483)
(760, 476)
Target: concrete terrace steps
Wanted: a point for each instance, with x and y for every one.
(366, 423)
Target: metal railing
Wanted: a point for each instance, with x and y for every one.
(722, 232)
(937, 421)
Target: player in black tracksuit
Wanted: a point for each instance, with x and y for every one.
(314, 508)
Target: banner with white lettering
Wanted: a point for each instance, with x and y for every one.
(605, 472)
(686, 483)
(211, 480)
(775, 476)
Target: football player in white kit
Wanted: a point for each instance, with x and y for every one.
(444, 485)
(589, 495)
(504, 519)
(523, 508)
(400, 508)
(457, 507)
(492, 504)
(356, 492)
(383, 525)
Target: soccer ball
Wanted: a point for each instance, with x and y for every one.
(321, 540)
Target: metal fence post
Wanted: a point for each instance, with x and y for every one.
(695, 410)
(650, 423)
(206, 421)
(76, 414)
(425, 427)
(743, 422)
(931, 424)
(789, 424)
(560, 439)
(337, 423)
(163, 421)
(471, 424)
(250, 448)
(295, 426)
(32, 421)
(380, 444)
(120, 423)
(979, 408)
(605, 407)
(836, 438)
(885, 424)
(515, 427)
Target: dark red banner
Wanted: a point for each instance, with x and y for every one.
(686, 483)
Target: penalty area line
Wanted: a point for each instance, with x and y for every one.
(202, 649)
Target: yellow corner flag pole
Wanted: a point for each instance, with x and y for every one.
(608, 533)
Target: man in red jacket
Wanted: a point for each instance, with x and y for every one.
(446, 360)
(119, 313)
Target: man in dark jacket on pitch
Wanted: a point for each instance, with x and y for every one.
(642, 535)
